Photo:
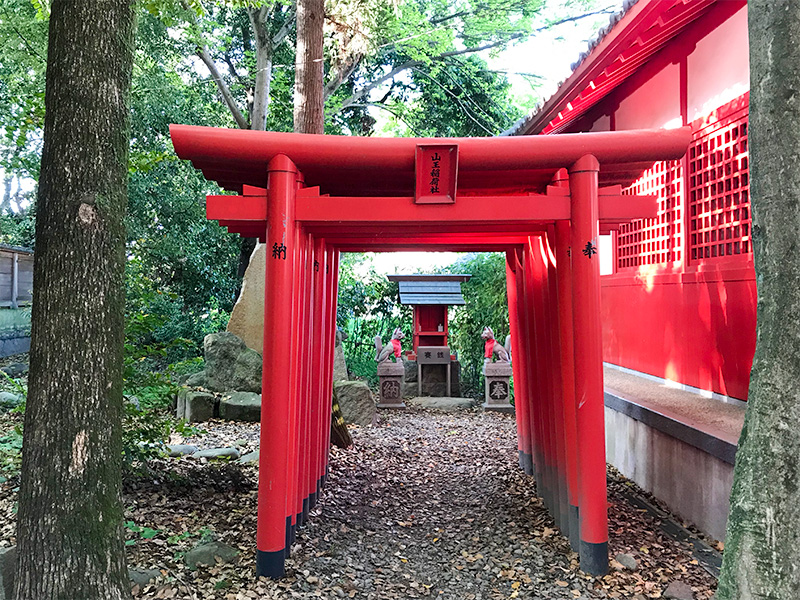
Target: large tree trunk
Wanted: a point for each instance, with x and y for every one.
(70, 514)
(308, 83)
(762, 553)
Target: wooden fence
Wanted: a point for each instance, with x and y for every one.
(16, 276)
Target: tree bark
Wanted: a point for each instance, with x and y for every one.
(69, 527)
(762, 554)
(264, 50)
(309, 73)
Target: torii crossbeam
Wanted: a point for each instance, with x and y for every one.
(543, 200)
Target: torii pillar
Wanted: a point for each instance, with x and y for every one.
(588, 340)
(275, 507)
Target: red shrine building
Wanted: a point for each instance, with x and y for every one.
(678, 293)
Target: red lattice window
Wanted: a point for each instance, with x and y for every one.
(655, 241)
(719, 191)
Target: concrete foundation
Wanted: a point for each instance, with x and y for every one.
(692, 477)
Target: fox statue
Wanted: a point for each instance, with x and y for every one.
(384, 352)
(493, 348)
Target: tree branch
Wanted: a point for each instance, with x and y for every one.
(389, 110)
(202, 52)
(467, 112)
(205, 56)
(330, 88)
(343, 72)
(286, 28)
(371, 86)
(30, 48)
(232, 69)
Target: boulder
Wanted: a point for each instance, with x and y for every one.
(356, 402)
(142, 576)
(197, 379)
(9, 400)
(250, 457)
(16, 369)
(247, 318)
(230, 364)
(410, 375)
(339, 364)
(217, 453)
(8, 563)
(627, 561)
(241, 406)
(209, 554)
(677, 590)
(198, 407)
(410, 389)
(176, 450)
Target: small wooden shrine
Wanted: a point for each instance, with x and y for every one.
(430, 295)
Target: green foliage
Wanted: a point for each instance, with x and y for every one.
(23, 55)
(18, 387)
(10, 453)
(369, 305)
(486, 305)
(17, 228)
(422, 63)
(460, 98)
(145, 432)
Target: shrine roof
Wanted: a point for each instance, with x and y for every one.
(15, 249)
(362, 166)
(632, 37)
(431, 289)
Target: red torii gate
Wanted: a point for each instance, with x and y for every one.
(310, 197)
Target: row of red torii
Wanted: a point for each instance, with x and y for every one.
(543, 200)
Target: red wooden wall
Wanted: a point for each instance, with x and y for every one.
(681, 302)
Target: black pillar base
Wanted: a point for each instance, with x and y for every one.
(306, 508)
(574, 528)
(563, 521)
(526, 463)
(594, 558)
(270, 564)
(312, 499)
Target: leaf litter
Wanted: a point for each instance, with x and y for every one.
(424, 505)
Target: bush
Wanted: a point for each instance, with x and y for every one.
(486, 305)
(369, 305)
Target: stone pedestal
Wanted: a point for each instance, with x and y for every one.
(390, 384)
(497, 388)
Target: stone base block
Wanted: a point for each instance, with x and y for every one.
(497, 391)
(390, 384)
(241, 406)
(196, 407)
(503, 408)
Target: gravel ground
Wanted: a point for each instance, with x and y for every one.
(425, 504)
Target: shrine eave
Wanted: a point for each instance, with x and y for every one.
(362, 166)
